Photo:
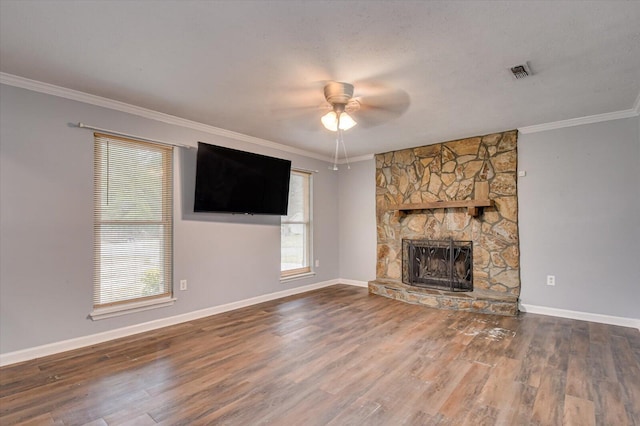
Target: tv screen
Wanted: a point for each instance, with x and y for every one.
(232, 181)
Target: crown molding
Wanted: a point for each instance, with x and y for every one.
(63, 92)
(590, 119)
(75, 95)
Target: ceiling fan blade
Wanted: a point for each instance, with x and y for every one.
(299, 100)
(381, 108)
(302, 106)
(303, 117)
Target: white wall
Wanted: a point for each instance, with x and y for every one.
(579, 216)
(358, 221)
(46, 228)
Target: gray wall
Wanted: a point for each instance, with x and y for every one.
(579, 218)
(358, 221)
(46, 228)
(579, 213)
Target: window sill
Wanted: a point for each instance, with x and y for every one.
(129, 308)
(297, 277)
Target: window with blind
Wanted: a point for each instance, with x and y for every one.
(295, 228)
(132, 224)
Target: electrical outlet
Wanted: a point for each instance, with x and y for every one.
(317, 263)
(183, 285)
(551, 280)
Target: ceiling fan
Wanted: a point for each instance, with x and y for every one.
(340, 97)
(374, 105)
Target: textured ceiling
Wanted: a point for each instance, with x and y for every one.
(258, 67)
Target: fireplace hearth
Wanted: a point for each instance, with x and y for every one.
(438, 264)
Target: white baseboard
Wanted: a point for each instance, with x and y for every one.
(80, 342)
(584, 316)
(353, 282)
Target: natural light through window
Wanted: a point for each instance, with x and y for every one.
(133, 221)
(295, 228)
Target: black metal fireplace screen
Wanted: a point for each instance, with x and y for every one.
(440, 264)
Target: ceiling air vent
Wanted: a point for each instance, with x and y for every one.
(520, 71)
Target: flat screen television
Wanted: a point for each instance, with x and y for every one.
(232, 181)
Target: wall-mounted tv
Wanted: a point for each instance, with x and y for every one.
(232, 181)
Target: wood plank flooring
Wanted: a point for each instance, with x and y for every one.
(339, 356)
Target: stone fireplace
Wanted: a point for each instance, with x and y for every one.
(461, 191)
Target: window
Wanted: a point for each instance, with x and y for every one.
(133, 224)
(295, 228)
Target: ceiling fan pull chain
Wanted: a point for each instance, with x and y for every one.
(344, 148)
(335, 158)
(338, 138)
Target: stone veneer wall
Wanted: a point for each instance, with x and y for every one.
(448, 171)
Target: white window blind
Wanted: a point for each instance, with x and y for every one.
(295, 228)
(133, 220)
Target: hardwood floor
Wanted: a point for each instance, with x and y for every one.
(339, 356)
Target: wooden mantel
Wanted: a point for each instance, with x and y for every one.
(473, 206)
(481, 199)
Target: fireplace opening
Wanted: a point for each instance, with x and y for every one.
(440, 264)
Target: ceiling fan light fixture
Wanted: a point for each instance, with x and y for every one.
(330, 121)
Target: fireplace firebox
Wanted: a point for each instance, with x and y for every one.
(439, 264)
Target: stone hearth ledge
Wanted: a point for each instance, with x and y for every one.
(481, 301)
